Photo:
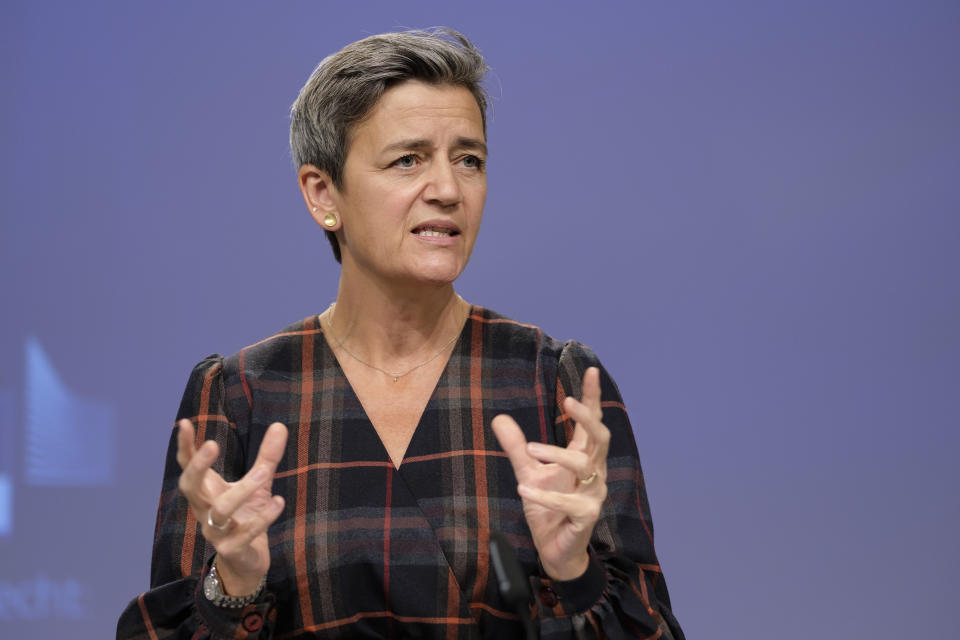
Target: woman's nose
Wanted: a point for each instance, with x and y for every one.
(442, 188)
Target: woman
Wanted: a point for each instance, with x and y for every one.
(342, 477)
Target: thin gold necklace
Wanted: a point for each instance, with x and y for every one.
(396, 375)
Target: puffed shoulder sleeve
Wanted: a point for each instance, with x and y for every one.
(623, 593)
(175, 606)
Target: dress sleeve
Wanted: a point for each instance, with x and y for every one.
(623, 593)
(175, 606)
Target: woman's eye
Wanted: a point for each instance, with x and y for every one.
(406, 162)
(472, 162)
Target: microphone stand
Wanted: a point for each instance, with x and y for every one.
(513, 583)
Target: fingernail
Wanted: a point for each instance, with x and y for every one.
(535, 448)
(523, 489)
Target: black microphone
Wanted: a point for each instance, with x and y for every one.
(513, 583)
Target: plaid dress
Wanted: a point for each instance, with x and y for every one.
(366, 550)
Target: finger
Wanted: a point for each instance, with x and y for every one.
(579, 508)
(589, 406)
(590, 395)
(240, 493)
(272, 448)
(242, 536)
(573, 460)
(589, 427)
(590, 399)
(185, 445)
(513, 442)
(260, 475)
(192, 478)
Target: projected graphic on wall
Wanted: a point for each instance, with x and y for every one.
(6, 462)
(67, 441)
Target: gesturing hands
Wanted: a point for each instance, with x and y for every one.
(234, 516)
(563, 489)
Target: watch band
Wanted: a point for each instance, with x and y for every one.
(214, 592)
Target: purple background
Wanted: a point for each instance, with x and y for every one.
(748, 209)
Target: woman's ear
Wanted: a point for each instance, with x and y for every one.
(320, 196)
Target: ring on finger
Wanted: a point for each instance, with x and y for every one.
(588, 480)
(220, 527)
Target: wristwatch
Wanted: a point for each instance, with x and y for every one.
(215, 594)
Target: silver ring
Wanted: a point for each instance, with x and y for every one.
(220, 527)
(593, 476)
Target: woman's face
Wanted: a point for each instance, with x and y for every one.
(414, 185)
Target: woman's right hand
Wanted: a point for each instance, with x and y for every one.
(242, 510)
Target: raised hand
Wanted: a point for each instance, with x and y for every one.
(234, 516)
(563, 488)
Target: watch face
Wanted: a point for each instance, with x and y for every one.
(211, 588)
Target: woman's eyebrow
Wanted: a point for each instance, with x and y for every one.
(471, 143)
(421, 144)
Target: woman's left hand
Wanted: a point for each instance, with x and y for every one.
(563, 488)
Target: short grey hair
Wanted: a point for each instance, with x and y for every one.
(345, 86)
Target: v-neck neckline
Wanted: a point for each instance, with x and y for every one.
(442, 381)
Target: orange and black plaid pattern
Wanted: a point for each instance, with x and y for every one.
(366, 550)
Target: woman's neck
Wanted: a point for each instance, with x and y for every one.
(394, 327)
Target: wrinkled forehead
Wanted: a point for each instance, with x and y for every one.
(417, 110)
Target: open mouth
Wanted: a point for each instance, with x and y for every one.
(430, 231)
